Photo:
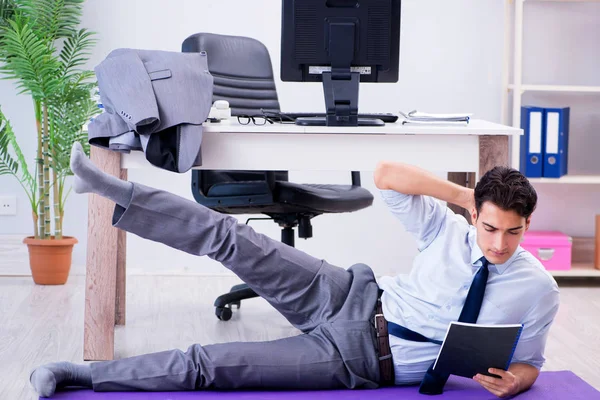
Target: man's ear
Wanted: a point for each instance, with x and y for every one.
(527, 222)
(473, 216)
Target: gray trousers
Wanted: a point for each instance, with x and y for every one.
(333, 307)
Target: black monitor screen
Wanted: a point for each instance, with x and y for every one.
(320, 34)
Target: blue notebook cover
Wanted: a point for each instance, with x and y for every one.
(471, 349)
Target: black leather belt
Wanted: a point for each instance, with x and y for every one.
(386, 366)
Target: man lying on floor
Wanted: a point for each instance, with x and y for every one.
(335, 307)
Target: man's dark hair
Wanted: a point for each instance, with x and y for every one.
(508, 189)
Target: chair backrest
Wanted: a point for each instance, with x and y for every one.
(242, 71)
(243, 75)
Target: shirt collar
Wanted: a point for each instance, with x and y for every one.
(476, 254)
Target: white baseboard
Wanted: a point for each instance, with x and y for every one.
(14, 257)
(14, 261)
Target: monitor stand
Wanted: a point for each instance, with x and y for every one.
(340, 85)
(341, 101)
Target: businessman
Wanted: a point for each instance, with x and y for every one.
(473, 273)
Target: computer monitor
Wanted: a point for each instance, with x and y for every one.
(340, 43)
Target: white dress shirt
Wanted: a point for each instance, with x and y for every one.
(432, 295)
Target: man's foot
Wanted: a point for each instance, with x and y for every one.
(86, 173)
(47, 378)
(90, 179)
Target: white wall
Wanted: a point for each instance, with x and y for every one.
(450, 61)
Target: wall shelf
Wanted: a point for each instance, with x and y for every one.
(569, 179)
(578, 270)
(556, 88)
(570, 1)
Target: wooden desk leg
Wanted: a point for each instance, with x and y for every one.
(493, 150)
(103, 253)
(121, 275)
(466, 179)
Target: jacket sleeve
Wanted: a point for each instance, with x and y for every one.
(127, 85)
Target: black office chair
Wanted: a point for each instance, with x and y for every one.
(243, 76)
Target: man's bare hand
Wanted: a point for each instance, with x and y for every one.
(506, 385)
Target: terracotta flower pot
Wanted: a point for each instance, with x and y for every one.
(50, 260)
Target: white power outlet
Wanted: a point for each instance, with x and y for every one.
(8, 205)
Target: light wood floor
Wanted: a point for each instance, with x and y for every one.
(41, 324)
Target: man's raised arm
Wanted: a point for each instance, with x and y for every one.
(411, 180)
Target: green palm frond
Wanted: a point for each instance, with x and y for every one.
(7, 9)
(28, 60)
(54, 19)
(8, 164)
(69, 114)
(76, 51)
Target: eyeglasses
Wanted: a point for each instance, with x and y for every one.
(255, 119)
(267, 116)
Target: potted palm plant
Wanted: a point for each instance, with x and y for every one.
(42, 50)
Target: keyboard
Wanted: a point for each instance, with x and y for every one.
(385, 117)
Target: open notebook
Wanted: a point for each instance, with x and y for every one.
(421, 118)
(469, 349)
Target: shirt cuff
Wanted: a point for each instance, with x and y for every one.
(536, 364)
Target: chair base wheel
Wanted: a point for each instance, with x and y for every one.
(224, 303)
(223, 313)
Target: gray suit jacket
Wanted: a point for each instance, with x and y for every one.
(154, 101)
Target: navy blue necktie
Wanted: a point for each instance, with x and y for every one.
(433, 382)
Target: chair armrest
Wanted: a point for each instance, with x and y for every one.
(355, 178)
(270, 178)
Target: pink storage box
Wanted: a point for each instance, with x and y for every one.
(552, 248)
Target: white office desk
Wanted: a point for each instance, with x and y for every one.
(286, 147)
(474, 148)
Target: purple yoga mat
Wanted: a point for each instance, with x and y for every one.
(550, 385)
